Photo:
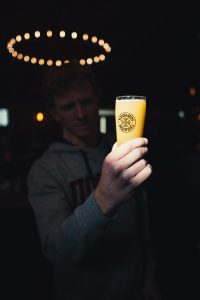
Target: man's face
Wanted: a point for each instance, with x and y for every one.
(77, 112)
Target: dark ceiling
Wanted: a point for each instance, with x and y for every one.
(155, 47)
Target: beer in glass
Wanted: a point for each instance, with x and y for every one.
(130, 114)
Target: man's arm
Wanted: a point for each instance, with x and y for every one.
(64, 231)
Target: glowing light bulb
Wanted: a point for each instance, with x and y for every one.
(102, 57)
(106, 46)
(101, 42)
(96, 59)
(27, 36)
(49, 62)
(33, 60)
(58, 63)
(40, 117)
(62, 33)
(14, 54)
(108, 49)
(12, 41)
(26, 58)
(41, 61)
(20, 56)
(74, 35)
(94, 39)
(49, 33)
(82, 62)
(18, 38)
(37, 34)
(89, 61)
(85, 37)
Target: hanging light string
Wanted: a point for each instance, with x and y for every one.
(11, 47)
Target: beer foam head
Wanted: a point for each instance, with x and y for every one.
(130, 97)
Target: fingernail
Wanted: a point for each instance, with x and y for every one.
(146, 140)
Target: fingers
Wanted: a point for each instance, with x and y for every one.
(141, 176)
(124, 149)
(131, 158)
(135, 169)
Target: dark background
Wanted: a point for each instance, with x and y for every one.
(156, 53)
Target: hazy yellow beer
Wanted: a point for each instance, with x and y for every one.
(130, 114)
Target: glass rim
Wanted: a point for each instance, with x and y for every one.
(130, 97)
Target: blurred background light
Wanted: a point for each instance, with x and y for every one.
(4, 117)
(39, 117)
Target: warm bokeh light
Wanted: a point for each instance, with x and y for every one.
(198, 117)
(62, 33)
(14, 54)
(49, 33)
(101, 42)
(10, 50)
(26, 58)
(192, 91)
(82, 62)
(108, 50)
(102, 57)
(85, 37)
(49, 62)
(33, 60)
(41, 61)
(58, 63)
(74, 35)
(20, 56)
(96, 59)
(39, 117)
(106, 46)
(27, 36)
(94, 39)
(37, 34)
(18, 38)
(12, 41)
(89, 61)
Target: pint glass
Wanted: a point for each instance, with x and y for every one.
(130, 114)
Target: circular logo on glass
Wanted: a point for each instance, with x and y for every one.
(126, 122)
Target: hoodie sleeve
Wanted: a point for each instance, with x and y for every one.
(63, 232)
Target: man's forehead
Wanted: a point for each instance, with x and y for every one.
(77, 93)
(75, 96)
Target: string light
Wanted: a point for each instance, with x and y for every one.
(39, 117)
(11, 47)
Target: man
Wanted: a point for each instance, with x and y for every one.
(87, 197)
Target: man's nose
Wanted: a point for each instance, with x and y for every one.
(79, 111)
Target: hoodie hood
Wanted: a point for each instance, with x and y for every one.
(63, 145)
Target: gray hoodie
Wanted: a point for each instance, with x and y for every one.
(94, 256)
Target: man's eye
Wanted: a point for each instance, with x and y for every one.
(68, 107)
(87, 102)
